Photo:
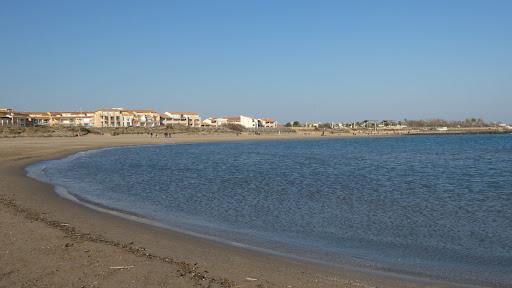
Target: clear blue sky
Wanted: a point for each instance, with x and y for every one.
(304, 60)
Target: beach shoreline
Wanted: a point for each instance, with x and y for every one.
(94, 249)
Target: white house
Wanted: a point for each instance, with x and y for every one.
(506, 126)
(214, 122)
(85, 119)
(10, 118)
(143, 117)
(247, 122)
(109, 118)
(190, 119)
(120, 117)
(267, 123)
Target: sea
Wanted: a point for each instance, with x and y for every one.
(435, 207)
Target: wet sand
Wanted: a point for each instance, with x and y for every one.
(48, 241)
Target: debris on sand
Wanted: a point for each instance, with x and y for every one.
(251, 279)
(121, 267)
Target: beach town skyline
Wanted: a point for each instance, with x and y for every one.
(127, 117)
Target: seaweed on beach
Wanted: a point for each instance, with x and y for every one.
(200, 277)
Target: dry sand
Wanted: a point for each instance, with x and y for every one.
(48, 241)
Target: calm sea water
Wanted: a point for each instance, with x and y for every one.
(434, 206)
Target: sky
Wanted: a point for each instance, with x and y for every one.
(289, 60)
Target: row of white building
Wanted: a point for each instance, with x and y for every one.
(121, 117)
(245, 121)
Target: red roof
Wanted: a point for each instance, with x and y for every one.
(233, 118)
(139, 110)
(183, 113)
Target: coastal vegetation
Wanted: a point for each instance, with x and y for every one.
(467, 123)
(42, 131)
(160, 131)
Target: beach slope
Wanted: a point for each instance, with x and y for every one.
(48, 241)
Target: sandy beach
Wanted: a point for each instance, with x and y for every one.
(48, 241)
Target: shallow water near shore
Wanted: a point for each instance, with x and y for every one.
(434, 206)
